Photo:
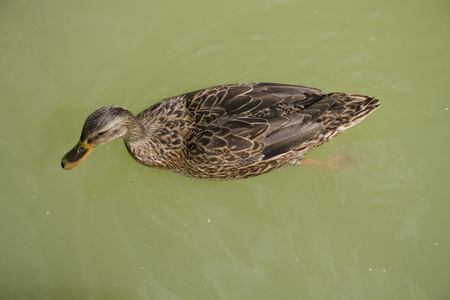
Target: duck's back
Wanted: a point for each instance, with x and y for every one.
(241, 130)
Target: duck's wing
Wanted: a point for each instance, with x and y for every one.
(243, 123)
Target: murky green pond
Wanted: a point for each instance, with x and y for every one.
(113, 229)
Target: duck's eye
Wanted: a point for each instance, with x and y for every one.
(100, 133)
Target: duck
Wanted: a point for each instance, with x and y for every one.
(224, 132)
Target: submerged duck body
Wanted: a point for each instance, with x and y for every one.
(225, 132)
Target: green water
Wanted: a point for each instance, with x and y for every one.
(113, 229)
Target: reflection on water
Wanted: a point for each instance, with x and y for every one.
(112, 229)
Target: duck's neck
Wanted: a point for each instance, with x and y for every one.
(135, 130)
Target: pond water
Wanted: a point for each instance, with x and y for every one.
(113, 229)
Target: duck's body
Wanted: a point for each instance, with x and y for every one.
(228, 131)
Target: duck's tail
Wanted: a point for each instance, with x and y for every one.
(347, 111)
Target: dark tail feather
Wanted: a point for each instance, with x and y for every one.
(347, 111)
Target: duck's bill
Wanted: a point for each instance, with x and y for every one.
(75, 156)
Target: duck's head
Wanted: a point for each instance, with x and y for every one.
(103, 125)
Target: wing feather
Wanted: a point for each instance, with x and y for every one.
(248, 122)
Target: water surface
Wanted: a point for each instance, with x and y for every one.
(112, 229)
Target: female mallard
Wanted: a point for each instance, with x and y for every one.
(228, 131)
